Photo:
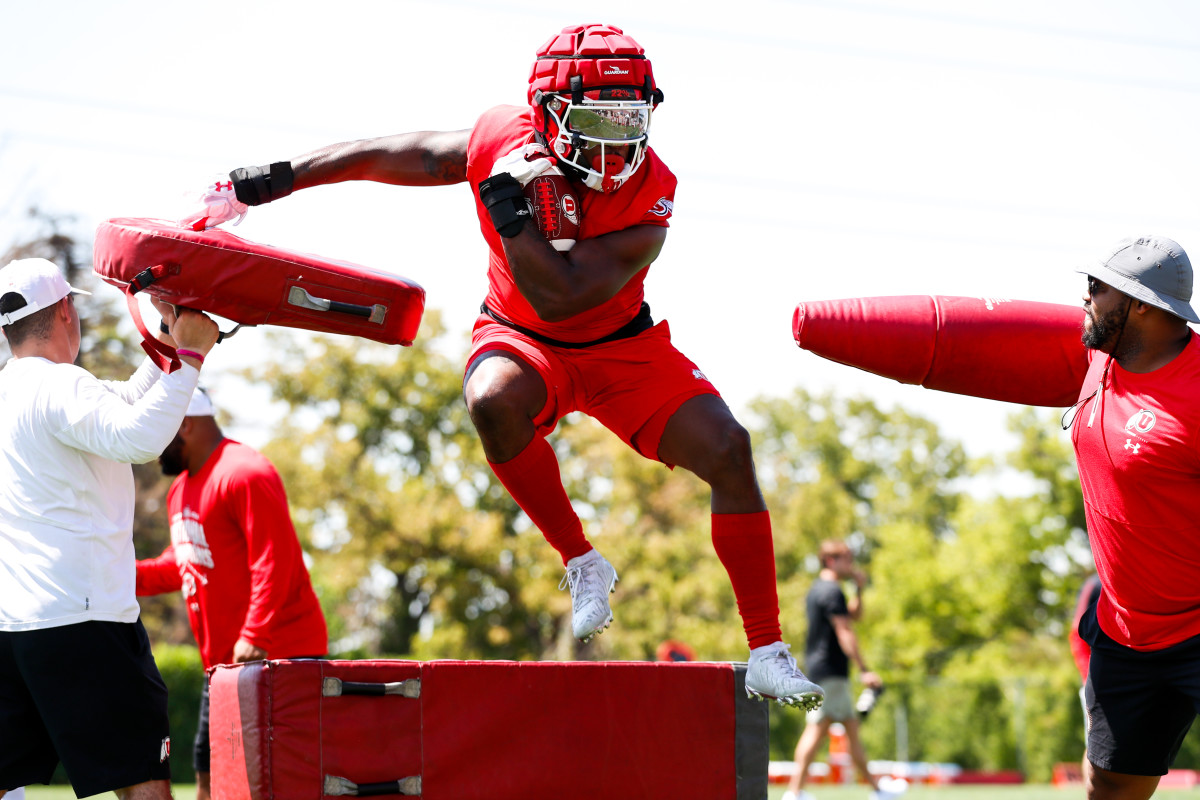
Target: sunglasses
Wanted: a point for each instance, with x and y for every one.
(1094, 285)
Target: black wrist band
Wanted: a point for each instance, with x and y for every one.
(257, 185)
(505, 202)
(162, 326)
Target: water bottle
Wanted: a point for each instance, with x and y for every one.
(867, 700)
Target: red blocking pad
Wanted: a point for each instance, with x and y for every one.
(275, 735)
(487, 729)
(256, 284)
(1017, 351)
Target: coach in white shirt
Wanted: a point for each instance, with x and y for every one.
(78, 683)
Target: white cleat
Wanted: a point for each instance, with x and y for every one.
(772, 674)
(591, 579)
(890, 788)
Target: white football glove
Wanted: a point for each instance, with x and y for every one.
(217, 204)
(525, 163)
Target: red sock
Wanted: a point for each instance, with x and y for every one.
(743, 543)
(533, 480)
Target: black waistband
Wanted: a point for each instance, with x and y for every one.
(632, 328)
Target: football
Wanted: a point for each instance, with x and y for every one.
(554, 204)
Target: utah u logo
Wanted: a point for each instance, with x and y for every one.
(1141, 422)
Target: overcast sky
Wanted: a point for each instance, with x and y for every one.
(824, 149)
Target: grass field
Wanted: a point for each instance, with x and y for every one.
(965, 792)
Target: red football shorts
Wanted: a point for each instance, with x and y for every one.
(631, 386)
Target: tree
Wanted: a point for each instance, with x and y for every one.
(417, 547)
(420, 553)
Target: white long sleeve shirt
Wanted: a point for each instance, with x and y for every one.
(67, 440)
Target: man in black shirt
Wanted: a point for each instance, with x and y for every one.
(831, 646)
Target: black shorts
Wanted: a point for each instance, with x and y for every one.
(88, 695)
(1139, 704)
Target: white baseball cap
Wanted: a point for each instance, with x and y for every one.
(201, 405)
(38, 282)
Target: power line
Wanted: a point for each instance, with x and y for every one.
(158, 113)
(992, 24)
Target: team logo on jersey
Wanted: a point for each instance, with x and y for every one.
(164, 752)
(1141, 422)
(698, 375)
(662, 208)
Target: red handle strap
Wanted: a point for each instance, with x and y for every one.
(161, 354)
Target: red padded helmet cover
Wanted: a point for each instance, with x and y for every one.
(603, 55)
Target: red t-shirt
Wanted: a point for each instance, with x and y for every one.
(646, 198)
(1139, 465)
(235, 555)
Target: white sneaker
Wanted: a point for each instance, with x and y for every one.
(592, 579)
(890, 788)
(772, 674)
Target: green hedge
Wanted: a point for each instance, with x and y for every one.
(184, 675)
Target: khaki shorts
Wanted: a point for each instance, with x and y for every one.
(838, 705)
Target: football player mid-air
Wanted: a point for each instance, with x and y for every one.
(564, 326)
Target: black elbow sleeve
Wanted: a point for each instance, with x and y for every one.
(505, 202)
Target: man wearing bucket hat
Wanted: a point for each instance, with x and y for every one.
(235, 557)
(1135, 426)
(78, 684)
(1135, 432)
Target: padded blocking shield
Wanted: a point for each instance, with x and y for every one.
(1018, 351)
(488, 729)
(258, 284)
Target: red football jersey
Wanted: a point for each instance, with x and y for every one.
(235, 555)
(1136, 442)
(646, 198)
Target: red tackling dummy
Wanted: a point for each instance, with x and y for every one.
(1017, 351)
(256, 284)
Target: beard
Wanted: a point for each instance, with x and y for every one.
(1104, 330)
(171, 460)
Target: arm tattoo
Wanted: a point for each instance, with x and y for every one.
(444, 167)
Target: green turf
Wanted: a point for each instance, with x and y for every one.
(183, 791)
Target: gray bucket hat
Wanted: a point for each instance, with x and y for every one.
(1152, 269)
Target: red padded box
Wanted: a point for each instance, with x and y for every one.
(459, 730)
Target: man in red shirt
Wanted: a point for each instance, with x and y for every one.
(235, 556)
(1135, 433)
(565, 330)
(1135, 427)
